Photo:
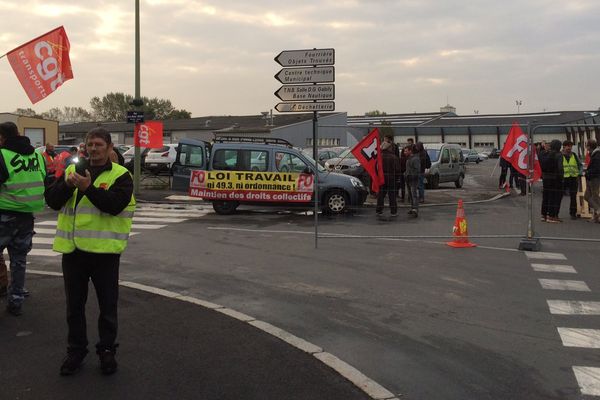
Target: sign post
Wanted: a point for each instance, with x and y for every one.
(308, 89)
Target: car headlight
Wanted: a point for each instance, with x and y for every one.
(356, 183)
(355, 165)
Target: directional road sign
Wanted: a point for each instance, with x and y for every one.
(305, 107)
(298, 58)
(306, 92)
(306, 75)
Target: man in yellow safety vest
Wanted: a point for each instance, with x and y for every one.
(22, 173)
(573, 169)
(96, 204)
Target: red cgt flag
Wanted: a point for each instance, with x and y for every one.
(368, 154)
(149, 134)
(42, 64)
(515, 151)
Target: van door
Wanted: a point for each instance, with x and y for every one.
(191, 154)
(455, 166)
(445, 168)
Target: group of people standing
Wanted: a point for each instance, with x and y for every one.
(404, 172)
(561, 171)
(94, 197)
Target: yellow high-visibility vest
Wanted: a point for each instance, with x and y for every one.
(85, 227)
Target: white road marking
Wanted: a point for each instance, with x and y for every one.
(146, 226)
(545, 256)
(46, 223)
(564, 269)
(287, 337)
(181, 197)
(572, 307)
(588, 379)
(171, 214)
(574, 337)
(561, 284)
(151, 219)
(45, 231)
(43, 252)
(42, 240)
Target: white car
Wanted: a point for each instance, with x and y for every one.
(161, 159)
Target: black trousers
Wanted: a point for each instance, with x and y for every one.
(388, 189)
(551, 197)
(571, 185)
(402, 186)
(103, 270)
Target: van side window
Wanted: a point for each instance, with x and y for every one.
(191, 155)
(445, 156)
(286, 162)
(240, 160)
(455, 155)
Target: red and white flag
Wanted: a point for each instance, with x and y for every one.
(367, 152)
(42, 64)
(516, 152)
(148, 134)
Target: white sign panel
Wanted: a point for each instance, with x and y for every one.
(305, 107)
(306, 75)
(298, 58)
(306, 92)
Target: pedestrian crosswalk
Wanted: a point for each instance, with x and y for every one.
(148, 216)
(588, 377)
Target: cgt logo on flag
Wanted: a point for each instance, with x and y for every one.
(149, 134)
(42, 65)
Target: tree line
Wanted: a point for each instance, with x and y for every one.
(112, 107)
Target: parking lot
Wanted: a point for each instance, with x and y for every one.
(390, 298)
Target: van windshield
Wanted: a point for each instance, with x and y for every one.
(434, 154)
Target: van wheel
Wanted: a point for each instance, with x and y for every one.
(336, 202)
(435, 182)
(225, 207)
(459, 182)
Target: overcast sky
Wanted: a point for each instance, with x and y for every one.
(398, 56)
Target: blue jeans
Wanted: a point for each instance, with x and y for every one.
(16, 233)
(421, 187)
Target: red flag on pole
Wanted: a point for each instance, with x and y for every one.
(368, 154)
(42, 64)
(515, 151)
(149, 134)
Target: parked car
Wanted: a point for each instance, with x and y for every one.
(470, 155)
(161, 159)
(494, 153)
(337, 192)
(482, 156)
(446, 165)
(347, 164)
(129, 154)
(324, 154)
(122, 147)
(58, 148)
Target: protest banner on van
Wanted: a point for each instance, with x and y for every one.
(251, 186)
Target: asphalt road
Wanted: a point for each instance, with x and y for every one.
(424, 320)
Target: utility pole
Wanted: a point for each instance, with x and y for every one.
(137, 101)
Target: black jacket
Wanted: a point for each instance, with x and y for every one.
(111, 201)
(391, 166)
(18, 144)
(593, 169)
(552, 165)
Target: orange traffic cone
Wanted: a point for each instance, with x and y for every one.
(459, 231)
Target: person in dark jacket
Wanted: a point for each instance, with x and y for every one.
(22, 174)
(391, 170)
(552, 175)
(425, 163)
(413, 171)
(504, 167)
(98, 195)
(592, 176)
(402, 179)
